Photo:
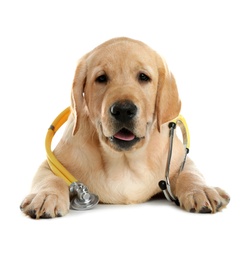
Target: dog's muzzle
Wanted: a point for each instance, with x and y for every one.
(123, 114)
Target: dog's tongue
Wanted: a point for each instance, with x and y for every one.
(124, 135)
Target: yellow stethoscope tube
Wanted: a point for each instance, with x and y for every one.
(81, 198)
(62, 172)
(53, 162)
(181, 122)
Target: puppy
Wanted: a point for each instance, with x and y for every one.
(116, 138)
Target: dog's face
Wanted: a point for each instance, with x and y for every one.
(125, 88)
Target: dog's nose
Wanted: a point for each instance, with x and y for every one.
(123, 110)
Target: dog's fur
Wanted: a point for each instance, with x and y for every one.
(121, 84)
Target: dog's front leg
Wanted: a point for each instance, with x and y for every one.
(49, 195)
(193, 193)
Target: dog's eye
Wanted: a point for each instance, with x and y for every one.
(102, 79)
(143, 77)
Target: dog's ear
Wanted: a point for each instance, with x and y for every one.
(78, 103)
(168, 104)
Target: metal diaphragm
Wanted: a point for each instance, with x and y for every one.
(88, 202)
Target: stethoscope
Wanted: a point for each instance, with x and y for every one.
(81, 198)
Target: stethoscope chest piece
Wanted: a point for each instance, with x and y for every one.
(81, 199)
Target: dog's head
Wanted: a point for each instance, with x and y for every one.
(125, 88)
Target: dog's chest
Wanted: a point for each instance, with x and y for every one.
(122, 183)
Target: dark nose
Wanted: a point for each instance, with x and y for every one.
(123, 110)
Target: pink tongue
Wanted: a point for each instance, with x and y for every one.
(124, 135)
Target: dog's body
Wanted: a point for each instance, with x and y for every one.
(116, 138)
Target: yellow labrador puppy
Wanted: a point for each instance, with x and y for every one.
(116, 139)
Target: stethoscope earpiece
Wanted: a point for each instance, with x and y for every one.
(164, 185)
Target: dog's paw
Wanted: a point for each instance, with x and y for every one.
(204, 199)
(45, 205)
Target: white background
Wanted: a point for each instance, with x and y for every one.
(207, 45)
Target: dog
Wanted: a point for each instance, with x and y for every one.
(116, 137)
